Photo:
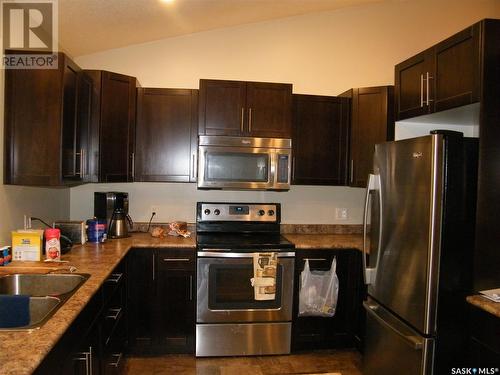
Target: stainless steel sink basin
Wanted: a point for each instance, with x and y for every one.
(47, 293)
(41, 285)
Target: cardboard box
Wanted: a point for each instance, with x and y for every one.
(27, 244)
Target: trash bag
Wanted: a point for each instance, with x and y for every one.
(318, 291)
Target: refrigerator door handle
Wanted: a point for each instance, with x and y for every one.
(412, 341)
(371, 272)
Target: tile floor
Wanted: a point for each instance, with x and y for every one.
(344, 362)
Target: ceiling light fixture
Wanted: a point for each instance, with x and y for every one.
(167, 1)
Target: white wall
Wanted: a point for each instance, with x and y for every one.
(323, 53)
(15, 201)
(302, 204)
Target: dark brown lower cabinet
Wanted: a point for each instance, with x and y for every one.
(161, 299)
(343, 329)
(141, 294)
(96, 341)
(175, 300)
(484, 343)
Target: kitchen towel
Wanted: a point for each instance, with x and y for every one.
(14, 311)
(264, 276)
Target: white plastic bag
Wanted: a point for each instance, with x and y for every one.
(318, 291)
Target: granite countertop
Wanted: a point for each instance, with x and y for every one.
(22, 351)
(326, 241)
(485, 304)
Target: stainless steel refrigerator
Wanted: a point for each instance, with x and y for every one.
(419, 226)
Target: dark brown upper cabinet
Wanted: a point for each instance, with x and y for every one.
(487, 237)
(445, 76)
(372, 122)
(320, 140)
(237, 108)
(166, 135)
(46, 127)
(112, 155)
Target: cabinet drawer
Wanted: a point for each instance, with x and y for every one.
(176, 259)
(112, 319)
(113, 282)
(114, 350)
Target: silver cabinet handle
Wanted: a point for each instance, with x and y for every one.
(193, 166)
(421, 90)
(80, 171)
(352, 171)
(133, 164)
(427, 80)
(118, 357)
(91, 360)
(82, 163)
(176, 259)
(114, 313)
(87, 358)
(316, 259)
(85, 163)
(190, 287)
(154, 258)
(83, 357)
(249, 120)
(115, 278)
(241, 121)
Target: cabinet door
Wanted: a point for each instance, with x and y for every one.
(176, 307)
(269, 110)
(166, 138)
(411, 85)
(83, 124)
(372, 122)
(70, 155)
(33, 120)
(457, 71)
(222, 107)
(141, 298)
(321, 332)
(320, 140)
(117, 127)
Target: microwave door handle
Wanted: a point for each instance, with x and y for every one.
(273, 176)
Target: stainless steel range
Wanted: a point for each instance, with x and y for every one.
(229, 319)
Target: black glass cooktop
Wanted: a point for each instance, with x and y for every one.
(240, 241)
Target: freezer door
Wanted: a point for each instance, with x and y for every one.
(406, 254)
(392, 347)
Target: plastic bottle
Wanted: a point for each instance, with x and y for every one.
(53, 244)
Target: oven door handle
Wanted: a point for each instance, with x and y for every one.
(215, 254)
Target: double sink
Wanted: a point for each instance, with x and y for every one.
(47, 293)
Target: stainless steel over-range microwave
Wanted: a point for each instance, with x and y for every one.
(244, 163)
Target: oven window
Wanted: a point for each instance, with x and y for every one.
(237, 167)
(230, 288)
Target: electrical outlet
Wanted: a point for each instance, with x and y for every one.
(155, 209)
(341, 213)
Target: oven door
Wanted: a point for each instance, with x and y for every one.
(243, 168)
(225, 294)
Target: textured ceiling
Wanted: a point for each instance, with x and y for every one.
(88, 26)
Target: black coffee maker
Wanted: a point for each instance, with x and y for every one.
(113, 207)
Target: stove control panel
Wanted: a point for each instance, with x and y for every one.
(262, 212)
